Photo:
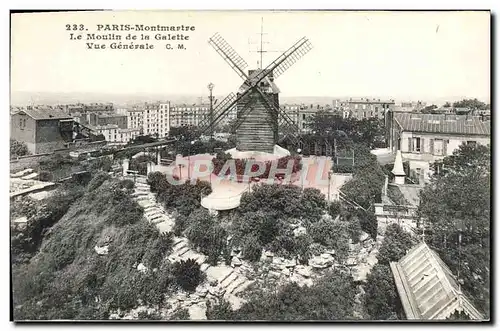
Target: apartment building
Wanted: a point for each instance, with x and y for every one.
(410, 106)
(369, 107)
(427, 138)
(156, 119)
(114, 134)
(135, 118)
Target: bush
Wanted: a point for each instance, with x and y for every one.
(18, 148)
(251, 248)
(220, 311)
(45, 176)
(180, 315)
(205, 233)
(343, 168)
(155, 179)
(97, 180)
(187, 274)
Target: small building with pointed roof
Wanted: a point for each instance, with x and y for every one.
(428, 289)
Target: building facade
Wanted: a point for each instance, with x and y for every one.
(427, 138)
(410, 106)
(114, 134)
(368, 108)
(43, 130)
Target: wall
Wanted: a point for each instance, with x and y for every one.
(427, 154)
(26, 133)
(48, 136)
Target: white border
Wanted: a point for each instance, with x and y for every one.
(186, 4)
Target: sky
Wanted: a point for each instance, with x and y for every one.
(400, 55)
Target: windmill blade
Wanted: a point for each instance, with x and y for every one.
(221, 110)
(286, 60)
(229, 55)
(294, 129)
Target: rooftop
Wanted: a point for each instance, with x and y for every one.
(45, 113)
(441, 123)
(427, 288)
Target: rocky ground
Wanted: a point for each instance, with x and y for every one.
(230, 282)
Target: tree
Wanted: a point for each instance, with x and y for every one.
(447, 104)
(187, 274)
(381, 298)
(470, 103)
(18, 148)
(456, 209)
(396, 243)
(185, 133)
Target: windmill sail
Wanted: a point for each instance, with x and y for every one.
(229, 55)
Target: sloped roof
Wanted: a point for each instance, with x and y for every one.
(46, 114)
(270, 85)
(441, 123)
(427, 287)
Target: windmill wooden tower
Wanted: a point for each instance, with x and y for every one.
(257, 103)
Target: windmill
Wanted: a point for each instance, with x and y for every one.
(257, 104)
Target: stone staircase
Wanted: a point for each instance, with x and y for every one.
(229, 281)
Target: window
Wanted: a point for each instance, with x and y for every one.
(356, 106)
(364, 106)
(415, 144)
(471, 142)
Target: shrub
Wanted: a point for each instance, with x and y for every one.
(18, 148)
(45, 176)
(251, 248)
(220, 311)
(181, 314)
(187, 274)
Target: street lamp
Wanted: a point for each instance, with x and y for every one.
(329, 183)
(301, 175)
(211, 113)
(189, 159)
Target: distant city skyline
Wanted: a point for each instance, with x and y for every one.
(426, 56)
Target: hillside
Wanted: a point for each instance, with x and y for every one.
(87, 264)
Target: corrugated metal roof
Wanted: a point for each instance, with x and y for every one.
(427, 288)
(440, 123)
(46, 114)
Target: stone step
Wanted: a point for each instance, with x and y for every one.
(231, 289)
(201, 259)
(226, 276)
(189, 254)
(228, 280)
(153, 212)
(241, 287)
(204, 267)
(142, 198)
(164, 227)
(152, 218)
(182, 251)
(179, 242)
(162, 220)
(144, 203)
